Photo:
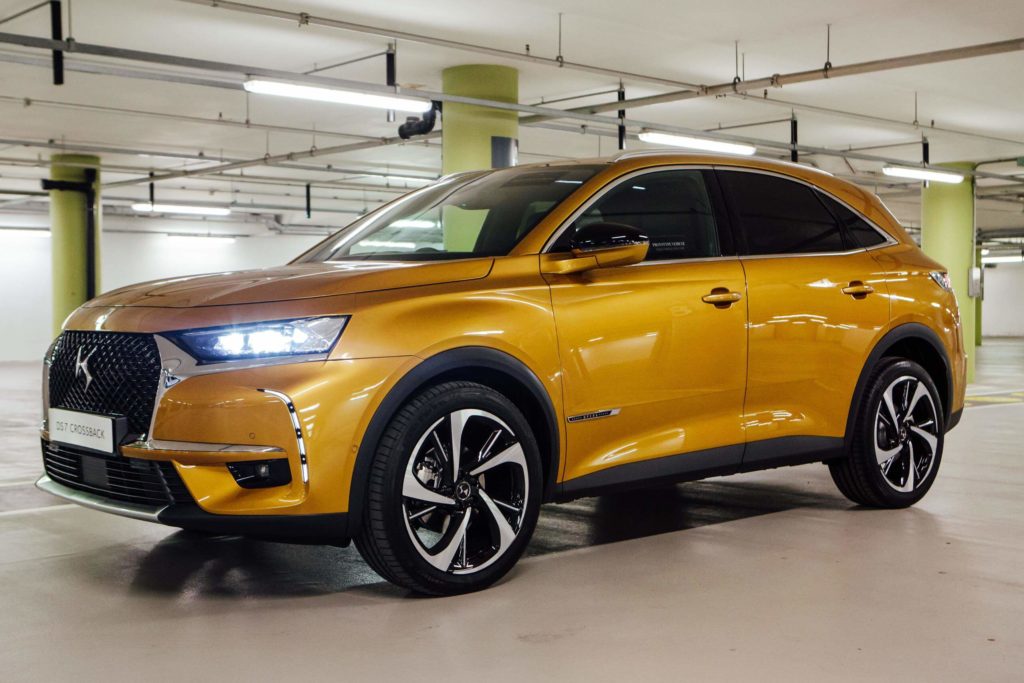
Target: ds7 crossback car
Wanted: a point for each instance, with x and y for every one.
(422, 381)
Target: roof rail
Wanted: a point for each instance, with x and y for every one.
(630, 153)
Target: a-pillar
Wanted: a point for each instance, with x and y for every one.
(947, 235)
(75, 254)
(474, 138)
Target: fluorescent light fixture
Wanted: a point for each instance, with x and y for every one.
(697, 143)
(986, 252)
(23, 232)
(358, 99)
(1015, 258)
(146, 207)
(922, 174)
(200, 240)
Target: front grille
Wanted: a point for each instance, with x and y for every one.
(129, 480)
(125, 371)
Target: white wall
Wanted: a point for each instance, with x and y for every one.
(1002, 311)
(25, 288)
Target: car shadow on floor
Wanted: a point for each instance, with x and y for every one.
(230, 566)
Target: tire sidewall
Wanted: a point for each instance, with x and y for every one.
(463, 397)
(873, 399)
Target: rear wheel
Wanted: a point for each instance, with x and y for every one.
(897, 441)
(454, 491)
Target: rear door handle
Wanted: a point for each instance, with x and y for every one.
(858, 290)
(721, 297)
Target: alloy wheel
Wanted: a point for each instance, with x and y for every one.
(464, 491)
(906, 433)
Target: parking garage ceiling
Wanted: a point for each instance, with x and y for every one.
(144, 117)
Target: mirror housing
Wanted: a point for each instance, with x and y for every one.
(599, 245)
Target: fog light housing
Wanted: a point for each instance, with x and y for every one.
(261, 474)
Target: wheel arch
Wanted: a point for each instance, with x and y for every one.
(915, 342)
(487, 366)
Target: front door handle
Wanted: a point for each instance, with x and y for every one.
(858, 290)
(721, 297)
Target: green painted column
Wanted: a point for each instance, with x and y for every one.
(474, 137)
(947, 235)
(68, 232)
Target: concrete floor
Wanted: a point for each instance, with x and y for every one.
(770, 575)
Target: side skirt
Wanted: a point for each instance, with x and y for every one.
(713, 462)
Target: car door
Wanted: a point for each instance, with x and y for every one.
(651, 369)
(816, 304)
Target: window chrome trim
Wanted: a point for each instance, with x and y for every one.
(889, 239)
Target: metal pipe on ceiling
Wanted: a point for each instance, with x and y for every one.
(265, 160)
(304, 18)
(110, 149)
(545, 112)
(780, 80)
(98, 68)
(252, 125)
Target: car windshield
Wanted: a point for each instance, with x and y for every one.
(482, 214)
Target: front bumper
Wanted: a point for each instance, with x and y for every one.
(326, 528)
(308, 416)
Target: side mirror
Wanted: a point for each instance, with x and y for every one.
(600, 245)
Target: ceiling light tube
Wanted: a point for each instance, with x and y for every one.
(309, 92)
(1013, 258)
(146, 207)
(922, 174)
(704, 144)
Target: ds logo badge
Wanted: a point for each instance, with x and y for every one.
(82, 366)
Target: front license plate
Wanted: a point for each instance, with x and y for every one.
(85, 430)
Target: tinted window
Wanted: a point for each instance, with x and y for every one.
(781, 216)
(858, 229)
(671, 207)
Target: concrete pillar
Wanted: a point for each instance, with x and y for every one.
(69, 233)
(947, 235)
(474, 137)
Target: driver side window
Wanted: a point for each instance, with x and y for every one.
(672, 208)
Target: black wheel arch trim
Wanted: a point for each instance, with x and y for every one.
(425, 373)
(900, 333)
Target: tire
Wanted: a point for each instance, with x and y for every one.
(897, 438)
(438, 533)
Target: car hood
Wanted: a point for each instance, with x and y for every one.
(286, 283)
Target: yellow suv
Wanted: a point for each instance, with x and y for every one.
(423, 380)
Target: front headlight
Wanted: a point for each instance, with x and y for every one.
(300, 337)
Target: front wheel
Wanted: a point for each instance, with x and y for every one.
(454, 491)
(897, 441)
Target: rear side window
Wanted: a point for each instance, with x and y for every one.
(673, 208)
(858, 229)
(781, 216)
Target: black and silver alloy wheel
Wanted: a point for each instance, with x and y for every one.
(454, 491)
(906, 433)
(897, 438)
(464, 491)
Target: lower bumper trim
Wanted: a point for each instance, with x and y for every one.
(330, 529)
(147, 513)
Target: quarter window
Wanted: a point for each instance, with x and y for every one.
(859, 230)
(672, 208)
(781, 216)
